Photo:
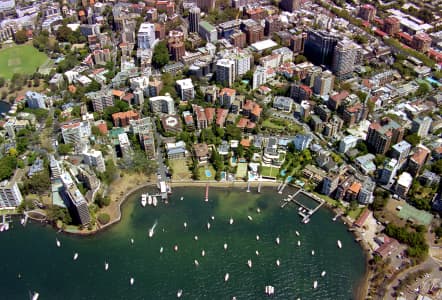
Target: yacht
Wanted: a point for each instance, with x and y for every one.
(203, 253)
(258, 210)
(131, 241)
(299, 243)
(185, 224)
(297, 233)
(196, 262)
(35, 296)
(257, 253)
(182, 198)
(143, 200)
(277, 240)
(22, 221)
(225, 246)
(179, 293)
(154, 201)
(323, 273)
(315, 284)
(313, 252)
(269, 290)
(257, 237)
(175, 248)
(151, 232)
(339, 244)
(149, 199)
(58, 243)
(249, 263)
(106, 266)
(196, 238)
(250, 218)
(208, 226)
(278, 263)
(132, 280)
(226, 277)
(306, 221)
(231, 221)
(161, 250)
(75, 256)
(213, 218)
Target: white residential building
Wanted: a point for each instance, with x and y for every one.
(146, 36)
(186, 89)
(403, 184)
(141, 82)
(162, 104)
(259, 77)
(124, 143)
(347, 143)
(10, 195)
(225, 72)
(94, 158)
(35, 100)
(421, 126)
(74, 133)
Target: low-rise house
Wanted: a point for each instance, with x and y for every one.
(176, 150)
(365, 163)
(283, 103)
(403, 184)
(201, 152)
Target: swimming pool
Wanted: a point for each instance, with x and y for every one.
(208, 173)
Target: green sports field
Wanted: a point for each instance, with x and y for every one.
(23, 59)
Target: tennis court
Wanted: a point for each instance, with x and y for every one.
(408, 212)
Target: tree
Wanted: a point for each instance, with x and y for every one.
(360, 39)
(103, 218)
(423, 89)
(413, 139)
(7, 166)
(2, 82)
(21, 37)
(300, 59)
(39, 183)
(102, 201)
(160, 56)
(65, 149)
(64, 34)
(436, 167)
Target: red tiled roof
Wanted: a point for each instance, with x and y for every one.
(242, 123)
(362, 218)
(228, 92)
(341, 96)
(210, 113)
(420, 155)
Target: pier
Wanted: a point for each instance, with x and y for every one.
(304, 211)
(248, 186)
(259, 187)
(207, 193)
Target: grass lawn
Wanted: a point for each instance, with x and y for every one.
(269, 171)
(269, 124)
(180, 169)
(24, 59)
(202, 172)
(354, 214)
(241, 170)
(281, 125)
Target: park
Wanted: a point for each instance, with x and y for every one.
(23, 59)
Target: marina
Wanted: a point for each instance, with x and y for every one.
(305, 212)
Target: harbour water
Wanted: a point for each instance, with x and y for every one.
(31, 260)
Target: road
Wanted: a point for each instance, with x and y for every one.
(162, 168)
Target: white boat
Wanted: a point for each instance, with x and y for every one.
(257, 253)
(132, 280)
(6, 226)
(106, 266)
(179, 293)
(231, 221)
(257, 237)
(58, 243)
(175, 248)
(226, 277)
(297, 233)
(208, 226)
(313, 252)
(306, 221)
(131, 241)
(323, 273)
(196, 238)
(213, 218)
(75, 256)
(196, 262)
(269, 290)
(315, 284)
(35, 296)
(277, 240)
(225, 246)
(151, 232)
(182, 198)
(258, 210)
(250, 218)
(154, 201)
(161, 250)
(249, 263)
(299, 243)
(278, 263)
(185, 224)
(143, 200)
(203, 253)
(339, 244)
(22, 221)
(149, 199)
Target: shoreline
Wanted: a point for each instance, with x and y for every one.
(360, 291)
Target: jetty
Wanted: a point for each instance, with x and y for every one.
(206, 198)
(304, 211)
(248, 186)
(259, 187)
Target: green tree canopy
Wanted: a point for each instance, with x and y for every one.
(160, 56)
(413, 139)
(20, 37)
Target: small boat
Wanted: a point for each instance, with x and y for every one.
(257, 253)
(143, 200)
(213, 218)
(179, 293)
(22, 221)
(196, 238)
(250, 218)
(258, 210)
(149, 199)
(185, 224)
(323, 273)
(300, 209)
(277, 240)
(269, 290)
(225, 246)
(106, 266)
(161, 250)
(154, 201)
(297, 233)
(306, 221)
(175, 248)
(315, 284)
(151, 232)
(257, 237)
(208, 226)
(182, 198)
(203, 253)
(196, 262)
(226, 277)
(132, 280)
(35, 296)
(339, 244)
(249, 263)
(299, 243)
(132, 241)
(313, 252)
(58, 243)
(278, 263)
(231, 221)
(75, 256)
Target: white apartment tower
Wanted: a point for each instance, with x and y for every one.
(225, 72)
(344, 58)
(10, 195)
(94, 158)
(186, 89)
(146, 36)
